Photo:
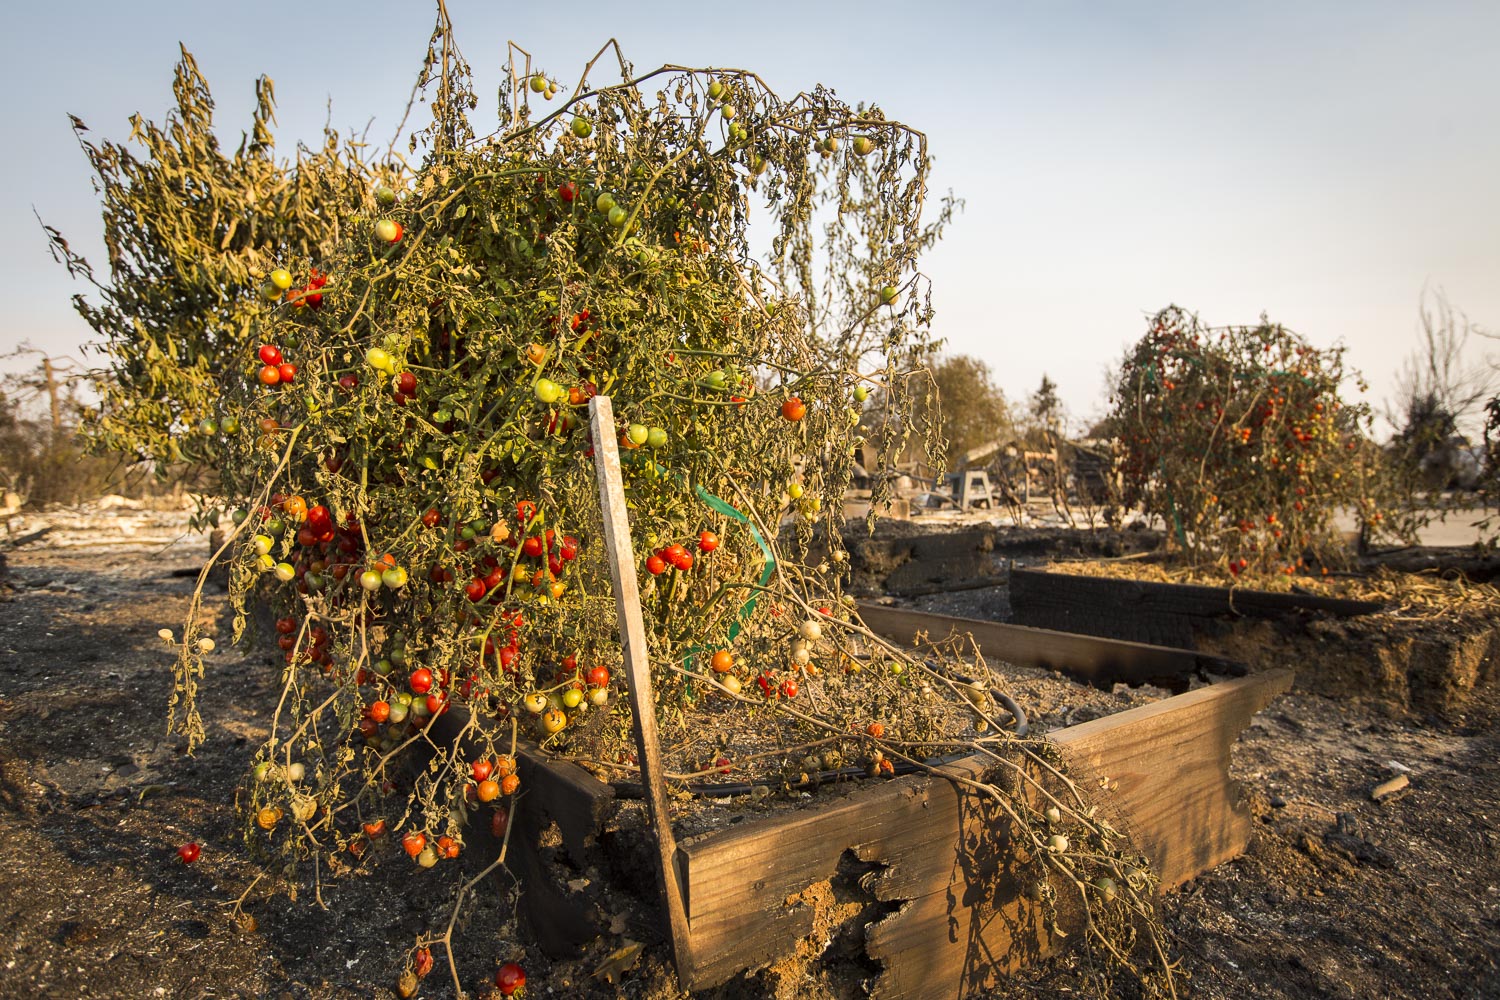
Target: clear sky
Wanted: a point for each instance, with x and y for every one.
(1322, 162)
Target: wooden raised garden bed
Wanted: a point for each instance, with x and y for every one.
(918, 868)
(1428, 657)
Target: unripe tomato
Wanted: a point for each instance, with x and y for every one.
(535, 702)
(547, 391)
(376, 358)
(638, 434)
(370, 580)
(605, 202)
(394, 578)
(553, 721)
(617, 216)
(889, 294)
(282, 279)
(582, 128)
(656, 437)
(285, 572)
(572, 698)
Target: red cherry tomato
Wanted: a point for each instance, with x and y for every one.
(270, 354)
(421, 681)
(287, 371)
(510, 978)
(189, 853)
(270, 375)
(655, 565)
(707, 541)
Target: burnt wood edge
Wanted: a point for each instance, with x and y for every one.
(1190, 598)
(1098, 662)
(1226, 707)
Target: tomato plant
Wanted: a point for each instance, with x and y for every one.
(414, 467)
(1241, 441)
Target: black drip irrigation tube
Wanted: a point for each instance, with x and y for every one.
(724, 790)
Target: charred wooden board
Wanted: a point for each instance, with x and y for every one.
(1145, 611)
(1099, 662)
(943, 864)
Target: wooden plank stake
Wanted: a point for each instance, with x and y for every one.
(622, 573)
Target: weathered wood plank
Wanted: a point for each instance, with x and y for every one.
(946, 849)
(1099, 662)
(622, 573)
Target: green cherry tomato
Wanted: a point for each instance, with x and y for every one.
(394, 578)
(604, 202)
(547, 391)
(638, 434)
(617, 216)
(582, 128)
(656, 438)
(861, 394)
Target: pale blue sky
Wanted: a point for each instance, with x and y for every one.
(1319, 161)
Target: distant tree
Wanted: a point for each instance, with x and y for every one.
(971, 409)
(956, 401)
(1441, 389)
(1046, 412)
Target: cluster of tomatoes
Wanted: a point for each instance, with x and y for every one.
(574, 690)
(677, 556)
(274, 369)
